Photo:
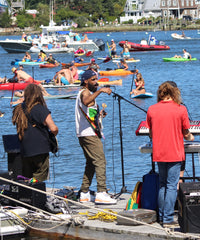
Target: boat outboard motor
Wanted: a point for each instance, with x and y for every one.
(100, 43)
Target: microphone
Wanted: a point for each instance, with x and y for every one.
(108, 86)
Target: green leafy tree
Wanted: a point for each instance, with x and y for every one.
(42, 18)
(81, 21)
(5, 19)
(24, 20)
(32, 4)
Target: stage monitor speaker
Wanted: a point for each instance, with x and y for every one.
(23, 194)
(189, 207)
(12, 147)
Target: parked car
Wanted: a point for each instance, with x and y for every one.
(187, 18)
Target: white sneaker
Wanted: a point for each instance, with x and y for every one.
(104, 198)
(86, 197)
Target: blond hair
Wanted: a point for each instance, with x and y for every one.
(167, 90)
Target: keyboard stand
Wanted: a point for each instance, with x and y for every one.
(190, 148)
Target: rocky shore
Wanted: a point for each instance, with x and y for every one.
(108, 28)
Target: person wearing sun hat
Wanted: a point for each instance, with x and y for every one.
(22, 76)
(89, 135)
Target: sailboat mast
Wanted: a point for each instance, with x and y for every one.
(178, 10)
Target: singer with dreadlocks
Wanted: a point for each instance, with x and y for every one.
(34, 143)
(89, 135)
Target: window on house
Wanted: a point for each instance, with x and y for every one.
(182, 3)
(191, 3)
(163, 3)
(187, 3)
(174, 2)
(169, 3)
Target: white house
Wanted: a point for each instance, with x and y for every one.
(136, 9)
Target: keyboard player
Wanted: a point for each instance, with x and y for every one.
(168, 124)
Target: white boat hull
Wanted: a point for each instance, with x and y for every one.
(178, 36)
(15, 46)
(53, 50)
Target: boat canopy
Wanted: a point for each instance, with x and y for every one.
(62, 32)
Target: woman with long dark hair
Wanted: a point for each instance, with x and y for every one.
(34, 140)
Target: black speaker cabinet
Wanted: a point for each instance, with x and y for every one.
(12, 147)
(189, 207)
(23, 194)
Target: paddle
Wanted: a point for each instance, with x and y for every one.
(105, 60)
(88, 54)
(133, 79)
(109, 49)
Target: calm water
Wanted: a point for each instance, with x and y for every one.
(67, 169)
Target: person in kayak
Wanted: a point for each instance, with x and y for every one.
(79, 51)
(22, 76)
(123, 65)
(51, 60)
(27, 57)
(139, 83)
(78, 59)
(186, 55)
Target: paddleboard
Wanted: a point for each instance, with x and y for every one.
(104, 58)
(28, 63)
(127, 61)
(173, 59)
(48, 97)
(101, 82)
(144, 95)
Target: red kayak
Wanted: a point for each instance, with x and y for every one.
(143, 47)
(13, 86)
(48, 65)
(81, 64)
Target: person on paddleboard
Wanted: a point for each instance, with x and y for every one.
(168, 124)
(89, 135)
(139, 84)
(125, 52)
(113, 49)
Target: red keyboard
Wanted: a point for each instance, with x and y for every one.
(143, 130)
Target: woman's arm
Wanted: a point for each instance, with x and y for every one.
(51, 125)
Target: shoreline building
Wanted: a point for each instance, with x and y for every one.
(137, 9)
(3, 6)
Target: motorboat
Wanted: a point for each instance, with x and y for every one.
(52, 35)
(15, 46)
(56, 49)
(61, 35)
(151, 45)
(179, 36)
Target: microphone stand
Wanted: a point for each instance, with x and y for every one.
(119, 97)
